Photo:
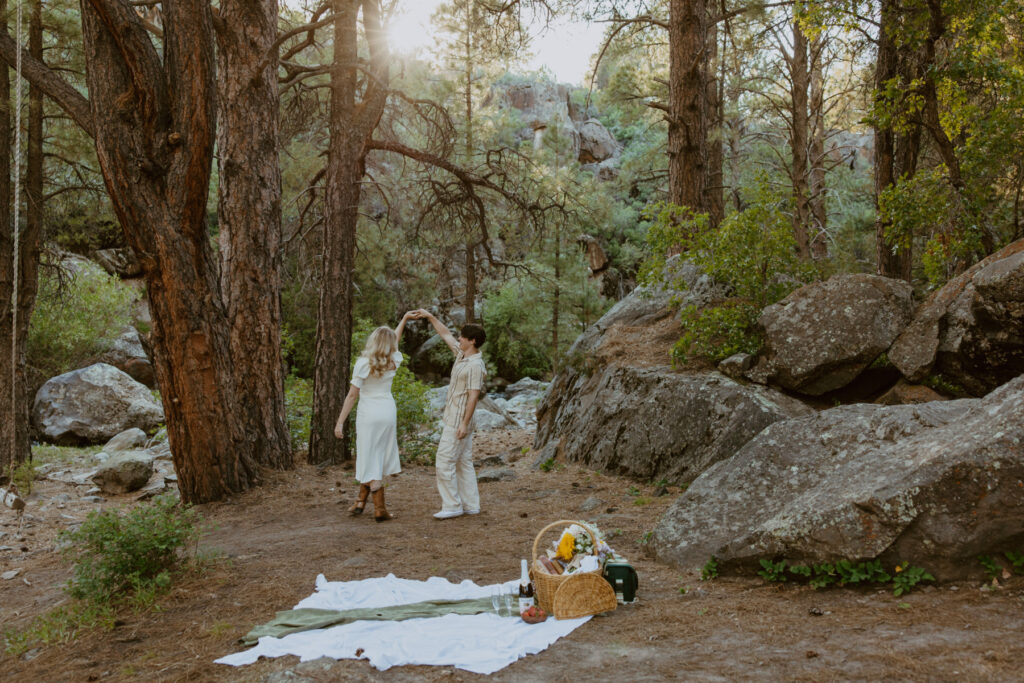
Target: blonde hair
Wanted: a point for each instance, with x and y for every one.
(381, 344)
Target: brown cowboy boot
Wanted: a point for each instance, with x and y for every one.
(360, 504)
(380, 512)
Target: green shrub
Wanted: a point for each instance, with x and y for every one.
(298, 404)
(123, 556)
(516, 332)
(60, 625)
(752, 254)
(73, 325)
(710, 569)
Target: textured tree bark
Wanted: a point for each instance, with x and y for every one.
(352, 122)
(895, 153)
(687, 124)
(249, 214)
(799, 123)
(713, 97)
(819, 209)
(154, 122)
(15, 446)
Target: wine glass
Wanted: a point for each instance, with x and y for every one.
(508, 598)
(496, 599)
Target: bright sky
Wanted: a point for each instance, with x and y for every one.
(564, 47)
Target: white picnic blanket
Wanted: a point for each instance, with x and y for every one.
(481, 643)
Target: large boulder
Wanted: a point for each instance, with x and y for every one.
(616, 405)
(124, 473)
(935, 484)
(92, 405)
(655, 423)
(972, 329)
(597, 144)
(822, 336)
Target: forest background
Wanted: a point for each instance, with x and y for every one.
(285, 180)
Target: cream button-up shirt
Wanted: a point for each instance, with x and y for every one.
(468, 374)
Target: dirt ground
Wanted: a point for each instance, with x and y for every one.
(274, 540)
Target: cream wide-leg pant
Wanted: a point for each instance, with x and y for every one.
(456, 478)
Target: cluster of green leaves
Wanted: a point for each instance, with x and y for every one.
(710, 569)
(752, 254)
(61, 625)
(994, 569)
(118, 556)
(979, 91)
(74, 324)
(845, 572)
(516, 333)
(298, 404)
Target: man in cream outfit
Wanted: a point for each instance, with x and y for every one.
(456, 478)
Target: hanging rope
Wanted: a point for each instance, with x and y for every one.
(17, 245)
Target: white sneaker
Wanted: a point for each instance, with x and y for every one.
(447, 514)
(472, 512)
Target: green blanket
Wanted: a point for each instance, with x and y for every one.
(307, 619)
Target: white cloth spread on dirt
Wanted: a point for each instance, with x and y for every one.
(481, 643)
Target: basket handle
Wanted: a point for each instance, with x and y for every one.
(593, 536)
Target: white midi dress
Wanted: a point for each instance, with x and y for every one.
(376, 423)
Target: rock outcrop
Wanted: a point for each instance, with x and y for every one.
(655, 423)
(822, 336)
(934, 484)
(618, 406)
(92, 405)
(972, 329)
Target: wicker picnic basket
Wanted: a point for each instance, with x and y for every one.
(568, 596)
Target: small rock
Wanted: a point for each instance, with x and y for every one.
(491, 461)
(127, 440)
(735, 365)
(93, 499)
(124, 473)
(8, 575)
(815, 611)
(355, 561)
(591, 503)
(495, 474)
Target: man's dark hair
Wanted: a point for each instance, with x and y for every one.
(474, 332)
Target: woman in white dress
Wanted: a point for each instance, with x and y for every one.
(376, 419)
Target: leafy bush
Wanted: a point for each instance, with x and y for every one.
(516, 333)
(752, 253)
(845, 572)
(73, 325)
(298, 405)
(710, 569)
(118, 556)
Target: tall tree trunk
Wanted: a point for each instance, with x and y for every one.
(249, 213)
(470, 282)
(556, 299)
(352, 122)
(799, 124)
(715, 185)
(819, 211)
(687, 118)
(895, 152)
(470, 298)
(155, 125)
(15, 445)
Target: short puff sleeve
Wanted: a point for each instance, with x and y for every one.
(360, 372)
(397, 358)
